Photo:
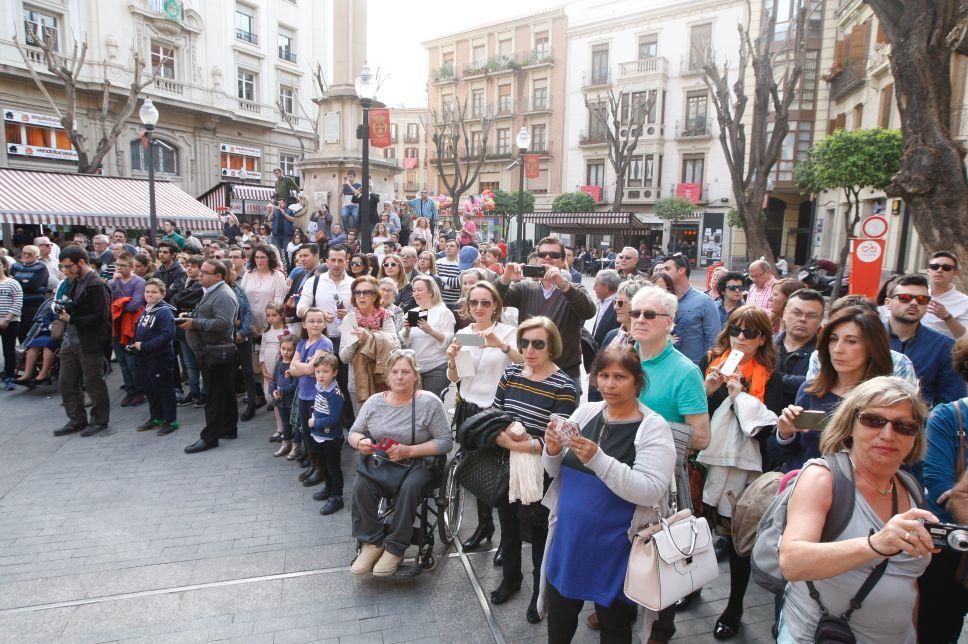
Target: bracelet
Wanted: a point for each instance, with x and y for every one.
(869, 543)
(947, 318)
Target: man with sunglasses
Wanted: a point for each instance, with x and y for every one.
(568, 305)
(730, 286)
(929, 351)
(627, 263)
(697, 320)
(948, 308)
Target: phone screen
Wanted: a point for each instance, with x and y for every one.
(810, 419)
(534, 271)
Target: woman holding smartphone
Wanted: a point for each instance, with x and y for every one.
(428, 330)
(477, 370)
(608, 474)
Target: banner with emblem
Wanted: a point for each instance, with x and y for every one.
(380, 128)
(532, 166)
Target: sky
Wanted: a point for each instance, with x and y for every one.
(396, 29)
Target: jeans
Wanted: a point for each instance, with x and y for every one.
(191, 364)
(157, 373)
(221, 410)
(367, 526)
(351, 217)
(9, 338)
(615, 621)
(129, 369)
(79, 371)
(304, 412)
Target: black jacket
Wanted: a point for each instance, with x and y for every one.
(187, 296)
(793, 365)
(174, 279)
(481, 429)
(91, 312)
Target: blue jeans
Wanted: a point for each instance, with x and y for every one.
(129, 369)
(194, 379)
(351, 217)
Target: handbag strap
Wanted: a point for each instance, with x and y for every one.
(869, 583)
(413, 419)
(960, 464)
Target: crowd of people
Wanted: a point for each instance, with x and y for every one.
(359, 346)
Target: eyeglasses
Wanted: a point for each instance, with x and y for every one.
(538, 345)
(906, 298)
(619, 304)
(358, 293)
(876, 421)
(749, 334)
(356, 263)
(648, 314)
(625, 257)
(797, 313)
(485, 303)
(389, 264)
(208, 272)
(549, 254)
(734, 287)
(947, 268)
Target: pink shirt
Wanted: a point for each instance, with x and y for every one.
(762, 297)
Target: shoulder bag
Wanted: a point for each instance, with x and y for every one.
(961, 572)
(386, 474)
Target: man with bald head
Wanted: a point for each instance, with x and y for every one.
(761, 291)
(627, 263)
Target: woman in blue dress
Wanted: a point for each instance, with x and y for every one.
(42, 348)
(606, 485)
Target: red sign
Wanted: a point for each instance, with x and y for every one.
(532, 166)
(866, 260)
(874, 227)
(690, 191)
(595, 192)
(380, 128)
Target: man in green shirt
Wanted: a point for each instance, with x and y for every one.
(171, 235)
(286, 188)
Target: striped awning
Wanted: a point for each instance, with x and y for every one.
(252, 193)
(61, 199)
(590, 222)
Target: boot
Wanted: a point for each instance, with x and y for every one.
(296, 452)
(248, 414)
(318, 475)
(284, 448)
(484, 530)
(313, 463)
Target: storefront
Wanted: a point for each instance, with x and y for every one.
(247, 202)
(590, 229)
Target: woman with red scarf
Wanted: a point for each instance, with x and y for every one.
(745, 401)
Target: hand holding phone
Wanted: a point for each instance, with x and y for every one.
(386, 444)
(810, 419)
(469, 340)
(565, 429)
(732, 362)
(533, 271)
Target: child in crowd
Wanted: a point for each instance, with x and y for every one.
(269, 350)
(153, 348)
(326, 440)
(283, 391)
(312, 344)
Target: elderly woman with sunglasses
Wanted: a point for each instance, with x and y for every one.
(745, 400)
(391, 267)
(879, 425)
(731, 287)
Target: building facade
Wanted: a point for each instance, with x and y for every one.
(409, 149)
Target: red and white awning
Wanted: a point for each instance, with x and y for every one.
(60, 199)
(252, 193)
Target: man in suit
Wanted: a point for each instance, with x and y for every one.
(209, 332)
(606, 285)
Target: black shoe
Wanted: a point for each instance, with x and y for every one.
(69, 428)
(317, 477)
(505, 591)
(187, 400)
(481, 533)
(306, 473)
(686, 601)
(727, 626)
(276, 438)
(91, 430)
(721, 548)
(148, 424)
(167, 428)
(499, 555)
(532, 615)
(323, 493)
(334, 504)
(200, 446)
(248, 414)
(304, 461)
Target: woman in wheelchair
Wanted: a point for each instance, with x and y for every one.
(412, 427)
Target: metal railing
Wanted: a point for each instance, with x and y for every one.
(444, 74)
(850, 77)
(286, 53)
(247, 36)
(594, 138)
(536, 57)
(596, 78)
(644, 67)
(699, 127)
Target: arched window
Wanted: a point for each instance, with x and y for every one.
(166, 156)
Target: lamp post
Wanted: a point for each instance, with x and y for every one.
(149, 117)
(523, 141)
(366, 90)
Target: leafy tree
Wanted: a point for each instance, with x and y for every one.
(850, 161)
(573, 202)
(507, 202)
(735, 220)
(674, 208)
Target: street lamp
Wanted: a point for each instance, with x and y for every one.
(523, 141)
(149, 117)
(366, 90)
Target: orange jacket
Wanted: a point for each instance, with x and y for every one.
(124, 322)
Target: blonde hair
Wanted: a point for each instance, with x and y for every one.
(496, 311)
(401, 278)
(431, 284)
(541, 322)
(882, 391)
(405, 354)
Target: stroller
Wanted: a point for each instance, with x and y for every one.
(40, 326)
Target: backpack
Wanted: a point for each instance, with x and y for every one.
(749, 508)
(765, 559)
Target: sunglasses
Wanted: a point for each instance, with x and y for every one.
(358, 293)
(393, 264)
(619, 304)
(538, 345)
(624, 257)
(947, 268)
(749, 334)
(356, 263)
(876, 421)
(549, 254)
(485, 303)
(648, 314)
(734, 287)
(907, 298)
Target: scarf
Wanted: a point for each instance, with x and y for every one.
(526, 476)
(755, 375)
(373, 321)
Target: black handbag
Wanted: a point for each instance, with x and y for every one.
(386, 474)
(485, 473)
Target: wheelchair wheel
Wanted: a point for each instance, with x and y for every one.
(453, 504)
(428, 561)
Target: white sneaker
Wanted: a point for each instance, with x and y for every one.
(387, 565)
(367, 558)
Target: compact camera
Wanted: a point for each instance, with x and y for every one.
(948, 535)
(62, 305)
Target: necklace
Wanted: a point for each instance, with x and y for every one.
(879, 490)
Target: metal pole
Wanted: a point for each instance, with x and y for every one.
(152, 214)
(365, 232)
(521, 254)
(242, 179)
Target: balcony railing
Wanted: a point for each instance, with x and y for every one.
(539, 104)
(169, 85)
(492, 65)
(287, 54)
(654, 66)
(595, 78)
(848, 78)
(250, 107)
(541, 147)
(694, 128)
(504, 107)
(411, 138)
(594, 138)
(444, 74)
(536, 57)
(247, 36)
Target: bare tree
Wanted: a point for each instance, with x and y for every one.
(456, 149)
(750, 159)
(923, 35)
(321, 87)
(68, 71)
(621, 132)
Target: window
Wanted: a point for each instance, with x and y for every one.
(539, 94)
(40, 27)
(475, 147)
(246, 85)
(596, 126)
(795, 147)
(163, 60)
(539, 138)
(692, 168)
(390, 153)
(887, 103)
(233, 163)
(695, 114)
(504, 141)
(478, 56)
(541, 41)
(504, 48)
(412, 132)
(641, 172)
(490, 185)
(477, 103)
(595, 173)
(411, 153)
(600, 64)
(286, 99)
(786, 17)
(648, 46)
(165, 157)
(35, 140)
(245, 25)
(858, 116)
(700, 42)
(393, 132)
(504, 99)
(286, 42)
(634, 107)
(288, 164)
(448, 61)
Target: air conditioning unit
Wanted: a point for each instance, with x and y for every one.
(632, 194)
(225, 172)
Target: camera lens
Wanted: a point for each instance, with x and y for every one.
(958, 540)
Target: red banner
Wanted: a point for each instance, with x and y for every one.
(595, 192)
(532, 166)
(409, 163)
(380, 128)
(690, 191)
(866, 260)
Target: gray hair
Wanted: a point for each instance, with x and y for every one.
(668, 300)
(629, 288)
(761, 264)
(101, 238)
(609, 278)
(388, 281)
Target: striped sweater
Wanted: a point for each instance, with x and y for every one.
(11, 298)
(449, 273)
(531, 402)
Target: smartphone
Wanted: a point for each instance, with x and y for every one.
(469, 340)
(731, 363)
(810, 419)
(533, 271)
(340, 305)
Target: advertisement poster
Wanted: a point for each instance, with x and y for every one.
(712, 239)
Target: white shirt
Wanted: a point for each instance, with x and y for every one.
(489, 364)
(328, 293)
(957, 304)
(428, 352)
(602, 307)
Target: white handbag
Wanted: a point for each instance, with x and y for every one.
(670, 559)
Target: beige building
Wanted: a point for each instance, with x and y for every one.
(514, 72)
(409, 150)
